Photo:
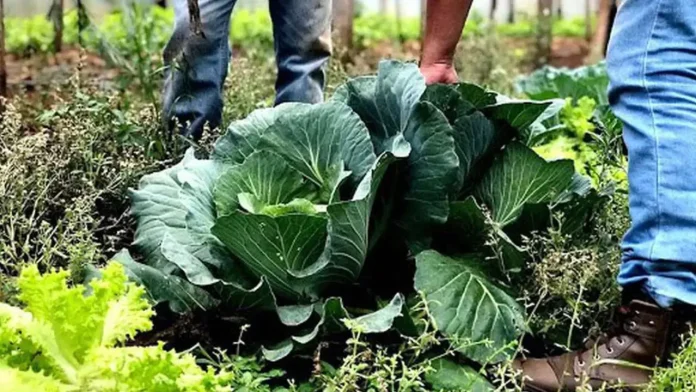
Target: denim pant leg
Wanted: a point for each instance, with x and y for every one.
(652, 69)
(302, 36)
(197, 67)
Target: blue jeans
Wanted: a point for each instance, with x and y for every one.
(197, 66)
(652, 69)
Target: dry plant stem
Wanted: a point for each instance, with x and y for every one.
(195, 18)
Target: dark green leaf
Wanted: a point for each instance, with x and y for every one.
(480, 318)
(181, 295)
(431, 171)
(450, 376)
(273, 246)
(385, 102)
(478, 96)
(243, 136)
(321, 142)
(447, 99)
(517, 114)
(521, 177)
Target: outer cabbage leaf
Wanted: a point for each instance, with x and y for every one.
(477, 95)
(450, 376)
(176, 211)
(181, 295)
(273, 246)
(447, 98)
(322, 142)
(518, 114)
(468, 230)
(160, 208)
(335, 318)
(520, 177)
(243, 136)
(476, 139)
(431, 171)
(547, 123)
(480, 318)
(385, 102)
(399, 122)
(549, 82)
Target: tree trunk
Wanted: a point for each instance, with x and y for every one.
(57, 16)
(3, 69)
(544, 35)
(494, 7)
(511, 11)
(343, 21)
(601, 35)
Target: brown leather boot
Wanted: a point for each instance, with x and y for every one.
(625, 357)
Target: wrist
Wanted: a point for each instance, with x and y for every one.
(436, 64)
(436, 60)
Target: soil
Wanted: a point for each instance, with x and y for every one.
(44, 70)
(40, 71)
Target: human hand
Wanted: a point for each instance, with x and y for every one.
(439, 73)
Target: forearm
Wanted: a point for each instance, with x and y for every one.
(443, 27)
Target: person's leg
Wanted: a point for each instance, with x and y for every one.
(196, 68)
(302, 35)
(652, 69)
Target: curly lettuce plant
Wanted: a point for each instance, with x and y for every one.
(67, 340)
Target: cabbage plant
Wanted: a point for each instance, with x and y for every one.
(286, 211)
(470, 190)
(279, 215)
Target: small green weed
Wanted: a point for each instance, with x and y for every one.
(681, 376)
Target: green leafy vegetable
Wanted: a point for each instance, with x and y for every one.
(480, 318)
(296, 199)
(450, 376)
(65, 340)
